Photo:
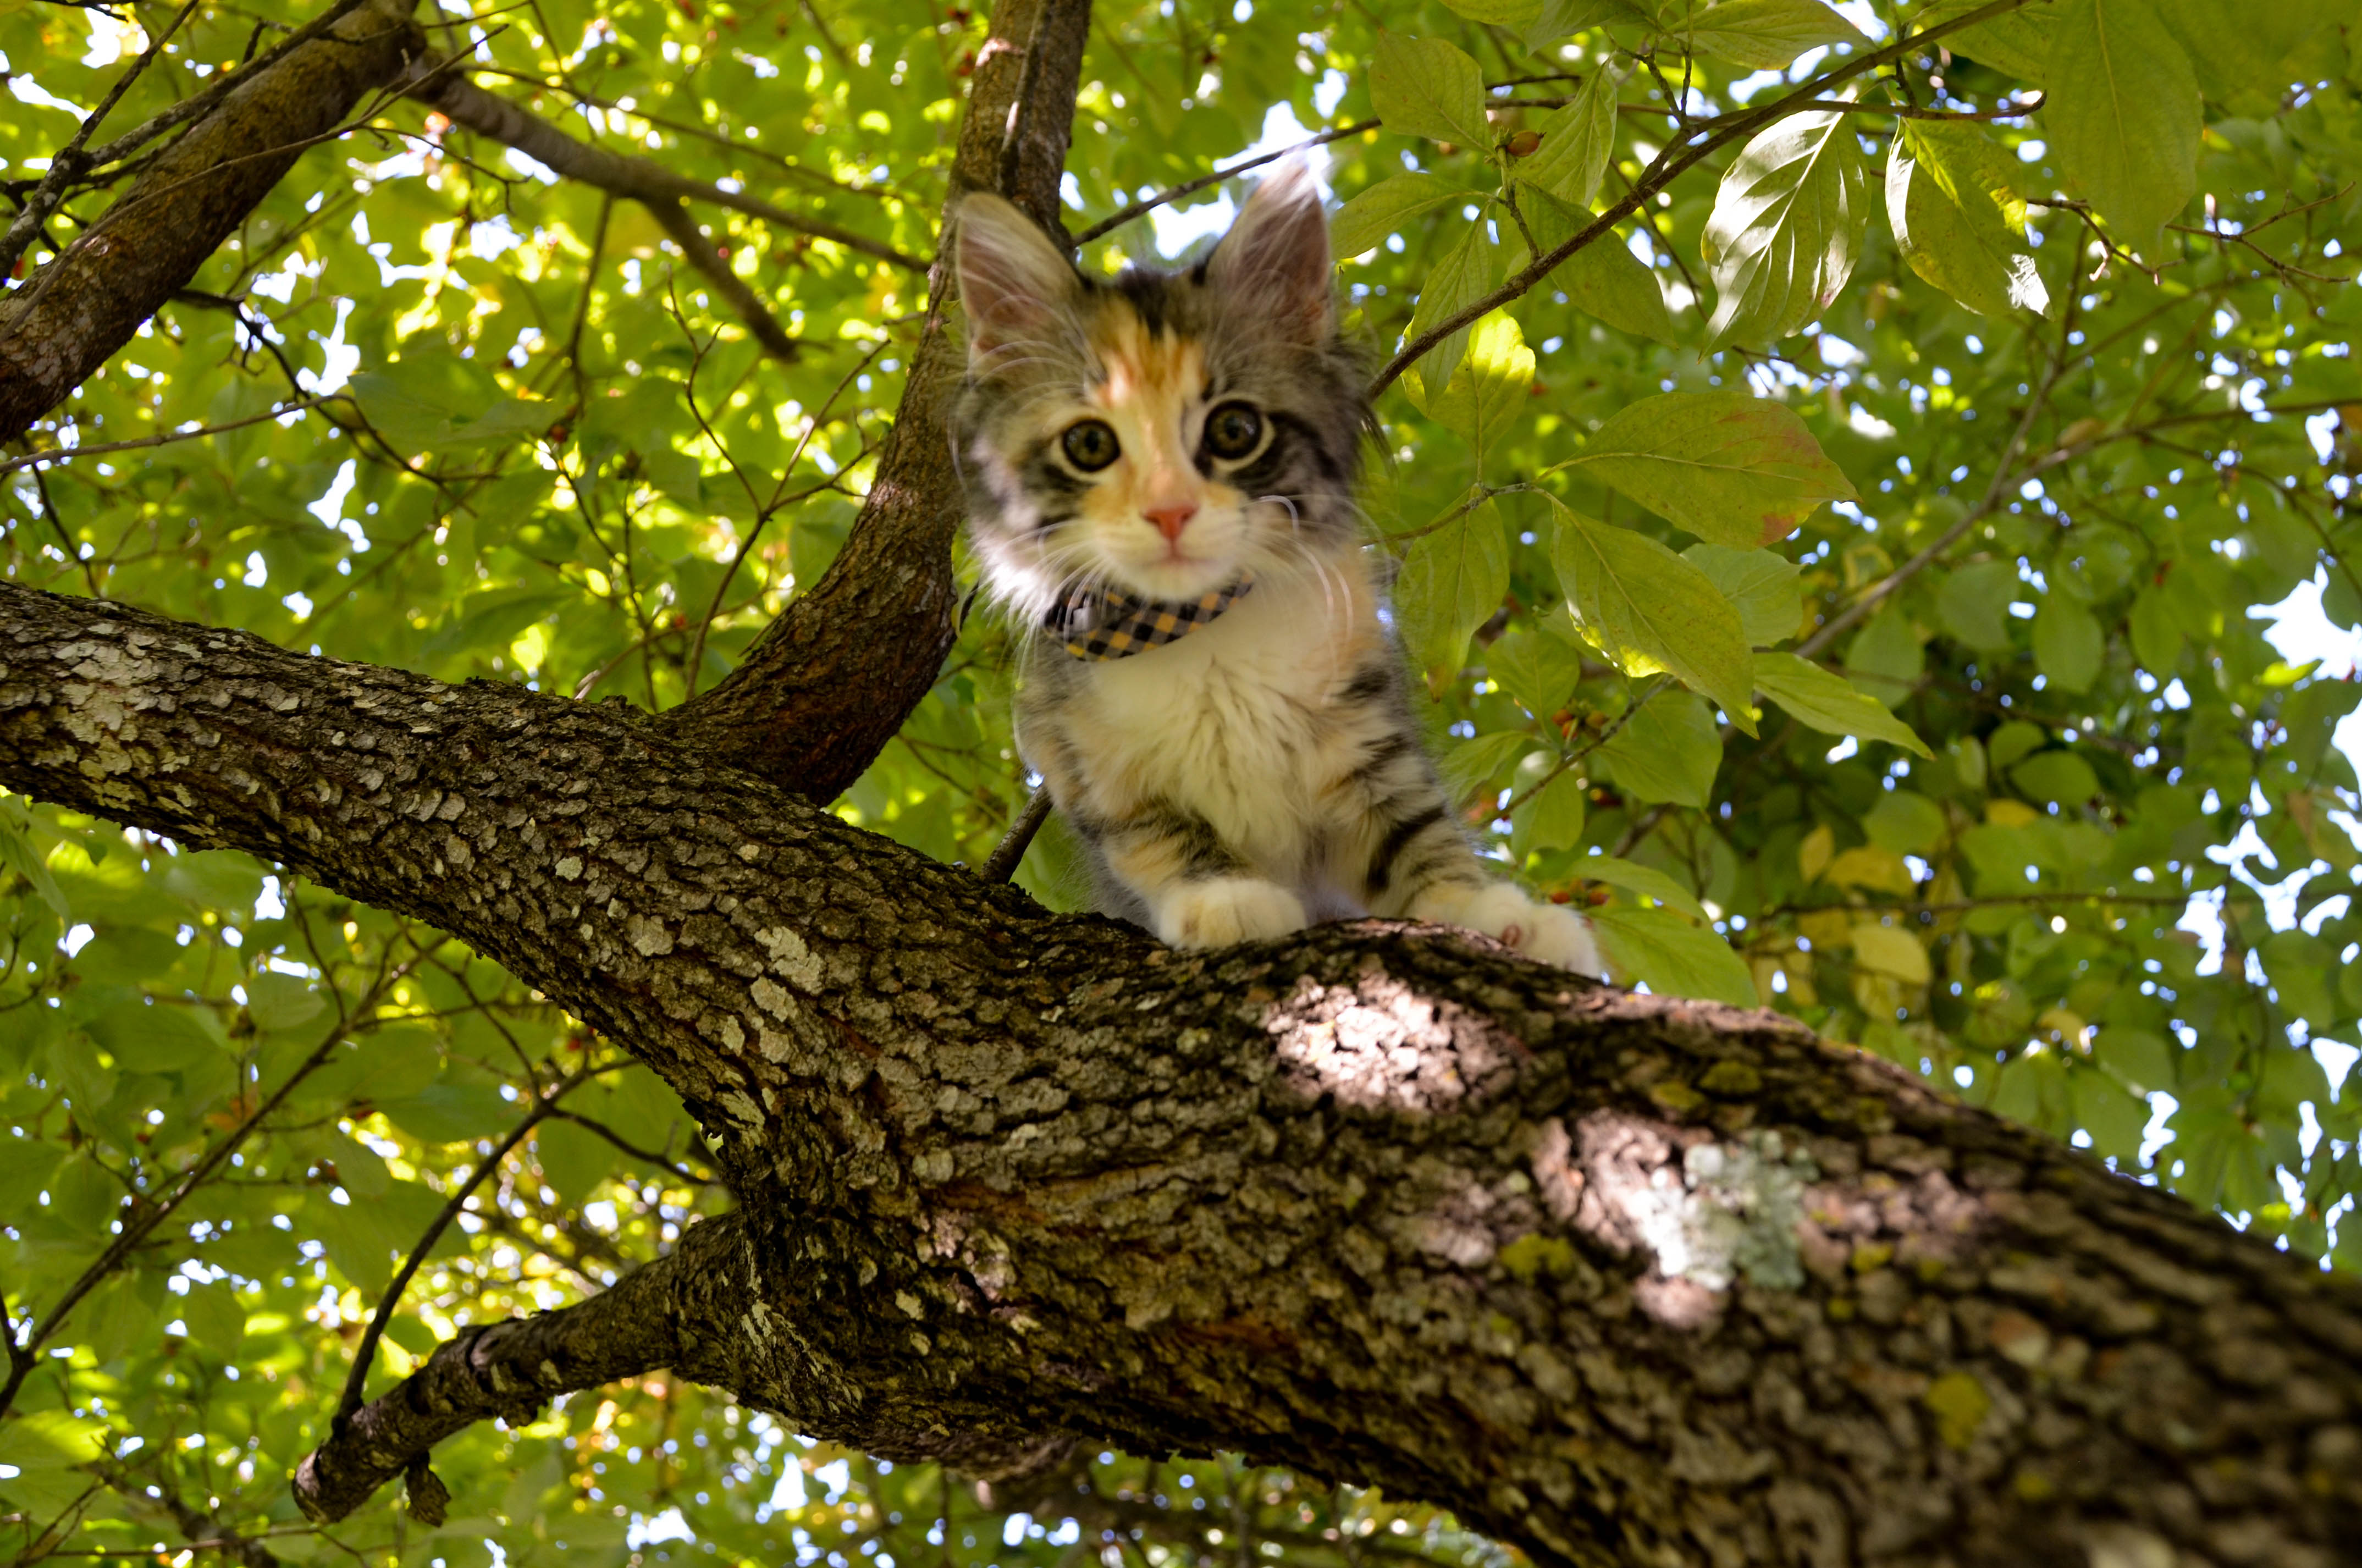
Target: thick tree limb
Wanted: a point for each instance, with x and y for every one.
(1624, 1280)
(827, 684)
(685, 1311)
(66, 319)
(642, 179)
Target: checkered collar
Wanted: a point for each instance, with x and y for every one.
(1106, 622)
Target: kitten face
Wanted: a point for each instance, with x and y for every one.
(1162, 433)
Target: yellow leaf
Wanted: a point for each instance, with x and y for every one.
(1870, 867)
(2070, 1026)
(1890, 950)
(1813, 854)
(2010, 813)
(1826, 927)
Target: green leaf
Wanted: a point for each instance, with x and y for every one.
(504, 420)
(1958, 219)
(1826, 702)
(161, 1038)
(2068, 643)
(1472, 764)
(1664, 951)
(2016, 43)
(281, 1001)
(1388, 207)
(1499, 12)
(492, 621)
(1885, 658)
(1461, 276)
(1577, 140)
(1668, 750)
(26, 1167)
(449, 1113)
(573, 1159)
(1603, 278)
(51, 1440)
(1762, 34)
(1787, 227)
(2123, 114)
(1732, 469)
(1973, 602)
(2237, 49)
(1648, 610)
(2304, 969)
(1646, 880)
(1560, 17)
(216, 1321)
(1538, 672)
(16, 854)
(1427, 87)
(2058, 776)
(1763, 587)
(1905, 822)
(1489, 392)
(1551, 816)
(1452, 582)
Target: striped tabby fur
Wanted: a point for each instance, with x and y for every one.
(1263, 771)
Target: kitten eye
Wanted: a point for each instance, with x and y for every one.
(1233, 430)
(1091, 446)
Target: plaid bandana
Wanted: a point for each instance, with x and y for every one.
(1106, 624)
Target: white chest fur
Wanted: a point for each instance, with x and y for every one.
(1239, 722)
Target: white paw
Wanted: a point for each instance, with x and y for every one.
(1549, 933)
(1228, 910)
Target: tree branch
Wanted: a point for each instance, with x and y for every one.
(643, 180)
(826, 685)
(1611, 1277)
(69, 317)
(680, 1312)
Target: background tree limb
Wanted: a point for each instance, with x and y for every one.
(69, 317)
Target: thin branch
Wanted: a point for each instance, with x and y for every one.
(365, 1353)
(1010, 851)
(138, 1226)
(1671, 164)
(48, 455)
(1191, 187)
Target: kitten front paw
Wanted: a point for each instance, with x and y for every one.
(1228, 910)
(1549, 933)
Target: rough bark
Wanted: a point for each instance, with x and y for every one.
(1624, 1280)
(828, 683)
(68, 317)
(678, 1312)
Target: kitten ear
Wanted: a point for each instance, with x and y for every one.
(1012, 280)
(1276, 254)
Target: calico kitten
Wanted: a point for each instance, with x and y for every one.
(1160, 472)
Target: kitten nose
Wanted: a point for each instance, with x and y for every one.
(1171, 519)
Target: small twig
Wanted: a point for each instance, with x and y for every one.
(365, 1352)
(138, 1227)
(1191, 187)
(1003, 862)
